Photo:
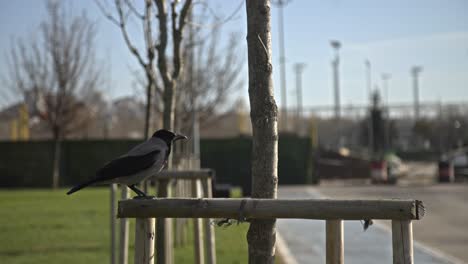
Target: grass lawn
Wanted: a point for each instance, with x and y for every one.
(44, 226)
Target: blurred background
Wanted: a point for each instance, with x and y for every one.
(370, 93)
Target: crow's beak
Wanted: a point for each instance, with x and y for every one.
(179, 136)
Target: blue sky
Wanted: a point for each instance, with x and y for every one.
(393, 35)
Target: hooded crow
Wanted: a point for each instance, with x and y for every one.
(142, 161)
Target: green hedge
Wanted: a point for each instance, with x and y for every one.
(29, 164)
(422, 155)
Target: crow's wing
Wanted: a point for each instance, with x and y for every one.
(148, 146)
(124, 166)
(128, 165)
(154, 151)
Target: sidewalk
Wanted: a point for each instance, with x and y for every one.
(306, 239)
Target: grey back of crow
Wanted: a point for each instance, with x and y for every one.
(142, 161)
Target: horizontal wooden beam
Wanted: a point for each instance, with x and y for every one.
(271, 208)
(184, 174)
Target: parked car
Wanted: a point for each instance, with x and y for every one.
(459, 160)
(387, 169)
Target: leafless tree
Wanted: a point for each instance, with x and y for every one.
(170, 77)
(169, 31)
(125, 11)
(213, 72)
(264, 117)
(154, 57)
(59, 68)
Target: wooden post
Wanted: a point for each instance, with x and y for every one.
(210, 244)
(181, 223)
(402, 241)
(177, 225)
(144, 241)
(164, 254)
(334, 243)
(123, 251)
(113, 220)
(197, 229)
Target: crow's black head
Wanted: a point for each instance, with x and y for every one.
(168, 136)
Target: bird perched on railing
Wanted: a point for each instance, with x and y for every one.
(141, 162)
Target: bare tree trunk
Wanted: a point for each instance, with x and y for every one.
(169, 106)
(164, 229)
(148, 118)
(149, 108)
(164, 226)
(56, 162)
(262, 233)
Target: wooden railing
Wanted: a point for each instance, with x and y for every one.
(199, 185)
(400, 212)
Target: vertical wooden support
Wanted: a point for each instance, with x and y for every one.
(113, 223)
(187, 193)
(177, 221)
(334, 243)
(180, 228)
(123, 246)
(164, 244)
(197, 228)
(402, 241)
(144, 241)
(210, 244)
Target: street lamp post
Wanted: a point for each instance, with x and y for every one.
(369, 92)
(336, 45)
(385, 78)
(284, 114)
(415, 71)
(298, 68)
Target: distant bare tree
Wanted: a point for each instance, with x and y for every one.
(213, 72)
(59, 67)
(124, 12)
(154, 57)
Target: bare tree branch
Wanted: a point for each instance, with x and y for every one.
(161, 46)
(123, 29)
(218, 21)
(177, 35)
(106, 13)
(134, 10)
(217, 73)
(124, 9)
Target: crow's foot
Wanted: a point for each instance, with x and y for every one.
(139, 192)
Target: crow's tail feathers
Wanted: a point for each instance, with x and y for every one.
(81, 186)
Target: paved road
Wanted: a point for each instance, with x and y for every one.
(445, 227)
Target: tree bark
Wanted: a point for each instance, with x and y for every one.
(56, 162)
(148, 108)
(264, 117)
(169, 105)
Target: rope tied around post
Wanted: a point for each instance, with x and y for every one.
(229, 221)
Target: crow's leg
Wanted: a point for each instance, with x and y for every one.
(137, 191)
(367, 223)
